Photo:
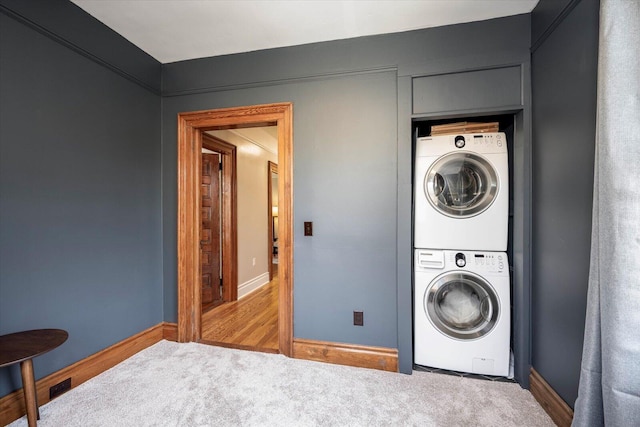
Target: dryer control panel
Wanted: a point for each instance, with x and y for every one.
(497, 140)
(487, 143)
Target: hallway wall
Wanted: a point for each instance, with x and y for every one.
(251, 172)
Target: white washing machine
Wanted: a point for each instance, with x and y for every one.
(461, 192)
(462, 318)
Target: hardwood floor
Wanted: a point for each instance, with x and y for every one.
(210, 305)
(250, 323)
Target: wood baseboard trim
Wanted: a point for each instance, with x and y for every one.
(12, 405)
(382, 358)
(551, 402)
(170, 331)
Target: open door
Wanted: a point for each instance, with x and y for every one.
(210, 232)
(223, 219)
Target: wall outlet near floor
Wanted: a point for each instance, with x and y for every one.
(58, 389)
(254, 262)
(358, 318)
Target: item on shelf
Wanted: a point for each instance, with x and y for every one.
(463, 127)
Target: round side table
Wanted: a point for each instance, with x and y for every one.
(22, 347)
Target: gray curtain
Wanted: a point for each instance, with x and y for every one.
(609, 392)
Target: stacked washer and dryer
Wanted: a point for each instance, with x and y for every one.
(462, 288)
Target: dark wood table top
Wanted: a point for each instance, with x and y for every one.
(21, 346)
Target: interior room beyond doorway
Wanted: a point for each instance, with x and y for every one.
(250, 319)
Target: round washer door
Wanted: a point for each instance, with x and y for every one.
(461, 184)
(462, 305)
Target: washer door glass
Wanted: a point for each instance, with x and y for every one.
(462, 305)
(461, 184)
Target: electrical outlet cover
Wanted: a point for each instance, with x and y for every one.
(358, 318)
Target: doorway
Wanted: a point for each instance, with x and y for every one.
(191, 126)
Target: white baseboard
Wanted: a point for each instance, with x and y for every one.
(251, 285)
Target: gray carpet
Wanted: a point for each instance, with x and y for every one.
(171, 384)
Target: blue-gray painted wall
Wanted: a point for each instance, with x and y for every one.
(546, 15)
(71, 26)
(80, 188)
(564, 70)
(345, 182)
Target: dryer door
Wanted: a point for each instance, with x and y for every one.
(462, 305)
(461, 184)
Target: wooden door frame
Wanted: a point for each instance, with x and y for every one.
(190, 129)
(229, 219)
(271, 169)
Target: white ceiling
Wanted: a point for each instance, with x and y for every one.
(176, 30)
(264, 137)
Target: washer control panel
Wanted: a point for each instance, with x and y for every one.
(491, 262)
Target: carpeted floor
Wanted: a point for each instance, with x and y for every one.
(171, 384)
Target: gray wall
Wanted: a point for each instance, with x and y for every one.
(564, 67)
(72, 27)
(352, 162)
(345, 182)
(80, 232)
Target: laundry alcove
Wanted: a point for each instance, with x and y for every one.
(510, 122)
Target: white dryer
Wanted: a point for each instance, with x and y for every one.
(462, 318)
(461, 192)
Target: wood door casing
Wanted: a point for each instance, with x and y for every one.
(210, 255)
(191, 126)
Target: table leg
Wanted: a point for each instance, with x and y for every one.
(29, 388)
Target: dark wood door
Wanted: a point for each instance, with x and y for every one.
(210, 231)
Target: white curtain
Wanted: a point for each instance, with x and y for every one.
(609, 392)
